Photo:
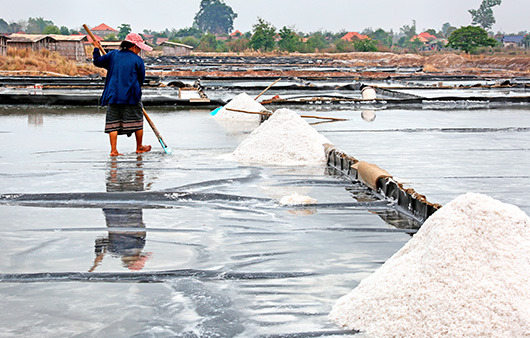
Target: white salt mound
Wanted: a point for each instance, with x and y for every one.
(465, 273)
(296, 199)
(285, 138)
(241, 102)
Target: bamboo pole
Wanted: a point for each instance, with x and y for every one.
(257, 97)
(306, 116)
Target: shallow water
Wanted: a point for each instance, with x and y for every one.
(120, 250)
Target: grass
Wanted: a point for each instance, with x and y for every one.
(43, 61)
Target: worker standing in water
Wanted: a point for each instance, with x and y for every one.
(123, 92)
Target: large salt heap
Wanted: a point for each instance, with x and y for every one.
(285, 139)
(465, 273)
(241, 102)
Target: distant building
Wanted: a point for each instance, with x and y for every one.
(351, 36)
(104, 30)
(148, 38)
(3, 45)
(160, 41)
(110, 45)
(429, 41)
(34, 42)
(69, 46)
(236, 35)
(173, 48)
(513, 41)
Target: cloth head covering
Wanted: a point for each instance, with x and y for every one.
(137, 40)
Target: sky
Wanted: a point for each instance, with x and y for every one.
(303, 15)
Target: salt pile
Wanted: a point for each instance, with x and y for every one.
(297, 199)
(241, 102)
(285, 138)
(465, 273)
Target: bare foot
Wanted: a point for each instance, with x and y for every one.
(143, 149)
(115, 153)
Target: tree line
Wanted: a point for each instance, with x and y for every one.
(215, 20)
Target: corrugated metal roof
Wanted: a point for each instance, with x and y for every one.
(29, 37)
(69, 37)
(513, 38)
(168, 43)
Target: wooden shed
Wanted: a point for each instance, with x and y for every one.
(173, 48)
(71, 46)
(3, 45)
(34, 42)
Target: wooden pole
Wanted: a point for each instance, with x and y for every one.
(257, 97)
(164, 145)
(306, 116)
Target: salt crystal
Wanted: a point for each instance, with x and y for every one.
(465, 273)
(285, 139)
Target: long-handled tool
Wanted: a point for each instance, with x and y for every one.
(164, 145)
(216, 110)
(306, 116)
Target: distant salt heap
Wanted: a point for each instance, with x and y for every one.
(241, 102)
(285, 139)
(465, 273)
(297, 199)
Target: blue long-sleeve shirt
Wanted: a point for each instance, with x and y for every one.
(125, 76)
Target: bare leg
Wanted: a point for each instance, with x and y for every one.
(113, 136)
(140, 148)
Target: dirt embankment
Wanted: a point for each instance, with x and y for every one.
(24, 62)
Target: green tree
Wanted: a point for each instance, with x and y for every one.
(51, 29)
(208, 43)
(238, 45)
(483, 16)
(526, 41)
(365, 45)
(215, 16)
(64, 30)
(385, 38)
(191, 41)
(409, 31)
(191, 31)
(123, 30)
(316, 42)
(37, 25)
(447, 29)
(289, 41)
(415, 44)
(469, 38)
(263, 37)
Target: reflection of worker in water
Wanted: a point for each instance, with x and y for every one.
(127, 241)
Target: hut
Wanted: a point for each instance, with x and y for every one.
(3, 45)
(173, 48)
(34, 42)
(110, 45)
(71, 46)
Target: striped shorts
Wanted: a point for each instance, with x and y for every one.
(124, 118)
